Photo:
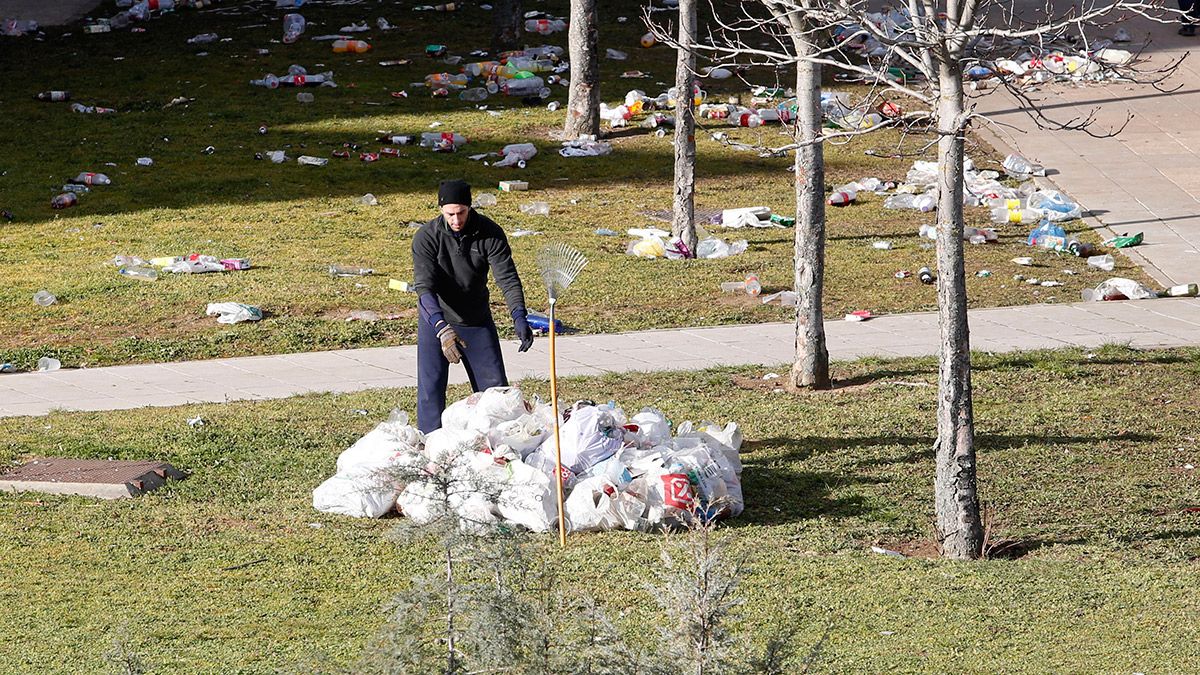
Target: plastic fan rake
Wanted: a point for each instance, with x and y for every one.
(559, 265)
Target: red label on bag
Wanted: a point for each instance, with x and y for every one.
(677, 491)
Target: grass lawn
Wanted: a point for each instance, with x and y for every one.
(1083, 458)
(293, 221)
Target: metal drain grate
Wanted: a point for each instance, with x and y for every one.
(103, 478)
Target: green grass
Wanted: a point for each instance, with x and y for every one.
(293, 221)
(1081, 455)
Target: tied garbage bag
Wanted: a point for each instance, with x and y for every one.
(524, 434)
(446, 448)
(527, 498)
(458, 415)
(590, 436)
(653, 429)
(370, 473)
(233, 312)
(496, 405)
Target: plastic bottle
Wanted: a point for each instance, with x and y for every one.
(53, 96)
(88, 178)
(750, 286)
(544, 26)
(455, 80)
(396, 140)
(843, 195)
(269, 81)
(530, 86)
(350, 271)
(306, 80)
(76, 188)
(143, 273)
(203, 39)
(44, 298)
(431, 139)
(746, 119)
(473, 94)
(925, 275)
(64, 200)
(1004, 215)
(1019, 167)
(293, 26)
(482, 68)
(351, 46)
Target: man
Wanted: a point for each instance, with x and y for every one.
(451, 257)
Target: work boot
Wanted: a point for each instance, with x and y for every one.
(1188, 30)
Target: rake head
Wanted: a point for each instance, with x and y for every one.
(559, 265)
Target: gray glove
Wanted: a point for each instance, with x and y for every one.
(451, 343)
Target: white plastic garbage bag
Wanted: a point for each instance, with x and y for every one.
(445, 448)
(652, 428)
(458, 415)
(421, 503)
(371, 473)
(233, 312)
(516, 153)
(524, 434)
(496, 405)
(528, 498)
(588, 438)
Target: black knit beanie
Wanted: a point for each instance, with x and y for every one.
(454, 192)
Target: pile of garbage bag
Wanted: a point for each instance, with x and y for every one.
(492, 464)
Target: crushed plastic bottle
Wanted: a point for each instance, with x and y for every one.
(53, 96)
(293, 27)
(535, 209)
(203, 39)
(1021, 168)
(89, 178)
(143, 273)
(350, 271)
(64, 200)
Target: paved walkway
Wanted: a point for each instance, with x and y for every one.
(1145, 179)
(1154, 323)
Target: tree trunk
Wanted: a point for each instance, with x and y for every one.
(683, 221)
(955, 497)
(583, 99)
(811, 368)
(507, 18)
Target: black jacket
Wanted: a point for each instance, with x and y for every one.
(455, 268)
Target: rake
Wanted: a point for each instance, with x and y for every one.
(559, 265)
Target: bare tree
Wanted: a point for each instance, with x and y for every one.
(932, 43)
(683, 221)
(583, 97)
(506, 25)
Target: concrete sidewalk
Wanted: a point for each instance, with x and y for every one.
(1144, 179)
(1153, 323)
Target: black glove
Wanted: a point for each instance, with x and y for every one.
(524, 333)
(450, 343)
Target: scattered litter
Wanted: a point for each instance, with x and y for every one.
(513, 185)
(196, 422)
(605, 232)
(398, 285)
(750, 286)
(860, 315)
(233, 312)
(771, 376)
(983, 274)
(523, 233)
(484, 199)
(1124, 241)
(1117, 288)
(535, 209)
(44, 298)
(882, 245)
(368, 200)
(308, 160)
(585, 146)
(363, 315)
(1023, 260)
(1103, 262)
(47, 364)
(887, 552)
(785, 298)
(615, 54)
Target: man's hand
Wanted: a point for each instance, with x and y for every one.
(524, 333)
(451, 342)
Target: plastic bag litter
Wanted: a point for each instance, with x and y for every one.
(233, 312)
(527, 498)
(713, 248)
(524, 434)
(585, 147)
(750, 216)
(1118, 288)
(195, 265)
(496, 405)
(647, 247)
(516, 153)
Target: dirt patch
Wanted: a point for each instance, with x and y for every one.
(385, 314)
